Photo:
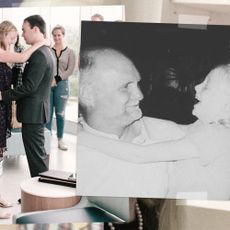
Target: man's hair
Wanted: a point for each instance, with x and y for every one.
(36, 20)
(59, 27)
(88, 62)
(88, 68)
(99, 16)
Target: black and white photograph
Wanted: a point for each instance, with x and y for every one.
(154, 111)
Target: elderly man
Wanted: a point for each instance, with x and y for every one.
(109, 99)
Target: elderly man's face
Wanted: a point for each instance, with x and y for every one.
(117, 94)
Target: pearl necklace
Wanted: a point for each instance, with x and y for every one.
(139, 217)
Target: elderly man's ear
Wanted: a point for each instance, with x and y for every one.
(86, 96)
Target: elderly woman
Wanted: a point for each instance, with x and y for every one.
(209, 135)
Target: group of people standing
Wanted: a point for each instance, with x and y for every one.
(44, 87)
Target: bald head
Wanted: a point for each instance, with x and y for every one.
(108, 77)
(97, 62)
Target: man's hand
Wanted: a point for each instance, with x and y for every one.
(79, 127)
(57, 78)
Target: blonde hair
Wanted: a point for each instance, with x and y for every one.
(222, 74)
(59, 27)
(5, 28)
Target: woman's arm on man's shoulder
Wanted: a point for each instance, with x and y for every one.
(13, 57)
(159, 152)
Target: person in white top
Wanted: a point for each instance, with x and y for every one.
(65, 63)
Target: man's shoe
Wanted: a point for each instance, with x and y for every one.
(62, 146)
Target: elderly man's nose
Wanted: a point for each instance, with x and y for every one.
(137, 93)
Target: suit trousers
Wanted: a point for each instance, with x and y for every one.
(34, 143)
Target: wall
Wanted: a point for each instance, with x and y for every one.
(149, 10)
(216, 15)
(192, 218)
(142, 10)
(70, 2)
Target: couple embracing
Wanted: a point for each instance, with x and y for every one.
(33, 96)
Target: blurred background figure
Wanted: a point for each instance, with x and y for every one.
(65, 226)
(17, 68)
(97, 17)
(80, 226)
(38, 227)
(65, 65)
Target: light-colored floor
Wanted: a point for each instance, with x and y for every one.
(15, 170)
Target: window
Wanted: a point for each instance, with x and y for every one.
(70, 17)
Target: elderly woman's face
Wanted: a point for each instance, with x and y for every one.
(213, 98)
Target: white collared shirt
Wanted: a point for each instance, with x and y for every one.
(101, 175)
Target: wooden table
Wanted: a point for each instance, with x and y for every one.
(38, 196)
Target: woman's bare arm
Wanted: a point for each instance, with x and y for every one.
(9, 56)
(180, 149)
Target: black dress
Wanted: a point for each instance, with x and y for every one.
(5, 110)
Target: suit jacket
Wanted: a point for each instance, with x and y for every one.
(33, 96)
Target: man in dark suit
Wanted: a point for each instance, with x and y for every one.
(33, 96)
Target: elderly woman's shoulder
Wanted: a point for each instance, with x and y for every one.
(211, 128)
(160, 122)
(164, 127)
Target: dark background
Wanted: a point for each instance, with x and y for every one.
(163, 53)
(10, 3)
